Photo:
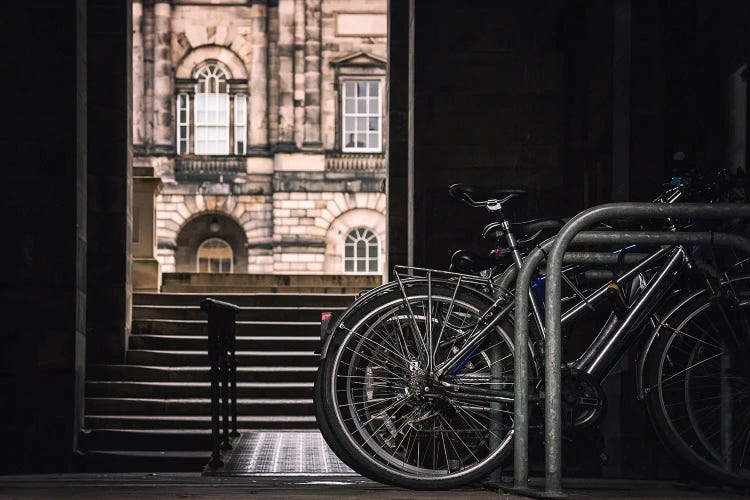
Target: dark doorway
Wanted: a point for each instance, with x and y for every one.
(202, 233)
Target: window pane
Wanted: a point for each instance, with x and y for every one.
(374, 88)
(349, 89)
(349, 266)
(373, 124)
(374, 109)
(348, 124)
(349, 251)
(372, 140)
(361, 266)
(361, 105)
(361, 124)
(361, 143)
(349, 108)
(361, 89)
(373, 265)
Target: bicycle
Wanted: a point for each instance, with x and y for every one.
(416, 383)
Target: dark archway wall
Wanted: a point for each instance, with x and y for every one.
(56, 283)
(44, 201)
(110, 178)
(581, 102)
(498, 100)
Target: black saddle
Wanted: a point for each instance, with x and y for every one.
(474, 195)
(468, 262)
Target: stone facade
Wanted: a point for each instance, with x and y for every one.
(282, 187)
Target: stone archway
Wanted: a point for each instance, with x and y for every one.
(203, 227)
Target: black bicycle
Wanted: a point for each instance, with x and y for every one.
(415, 386)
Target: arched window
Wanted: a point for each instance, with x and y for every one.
(214, 256)
(361, 252)
(218, 119)
(211, 111)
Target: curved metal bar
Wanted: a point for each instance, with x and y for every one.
(553, 327)
(521, 366)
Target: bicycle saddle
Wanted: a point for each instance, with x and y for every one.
(479, 196)
(468, 262)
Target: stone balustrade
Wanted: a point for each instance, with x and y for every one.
(209, 168)
(355, 162)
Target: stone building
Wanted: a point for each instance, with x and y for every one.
(266, 122)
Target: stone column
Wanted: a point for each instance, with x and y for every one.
(312, 74)
(258, 112)
(146, 271)
(273, 73)
(299, 72)
(148, 75)
(286, 74)
(139, 124)
(163, 84)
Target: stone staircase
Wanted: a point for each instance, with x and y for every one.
(153, 412)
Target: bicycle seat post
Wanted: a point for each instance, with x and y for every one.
(496, 206)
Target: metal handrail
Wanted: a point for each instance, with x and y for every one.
(222, 357)
(569, 234)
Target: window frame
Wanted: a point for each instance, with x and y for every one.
(183, 103)
(236, 89)
(198, 258)
(367, 256)
(240, 124)
(356, 114)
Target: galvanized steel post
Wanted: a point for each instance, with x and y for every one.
(553, 327)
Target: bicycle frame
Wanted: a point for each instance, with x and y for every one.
(610, 344)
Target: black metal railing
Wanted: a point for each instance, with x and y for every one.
(222, 357)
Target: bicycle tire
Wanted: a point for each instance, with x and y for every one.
(681, 380)
(384, 469)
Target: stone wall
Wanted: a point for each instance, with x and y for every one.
(289, 56)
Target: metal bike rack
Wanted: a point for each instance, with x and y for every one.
(569, 234)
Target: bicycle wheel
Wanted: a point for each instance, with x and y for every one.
(400, 425)
(698, 392)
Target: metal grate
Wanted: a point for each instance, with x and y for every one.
(282, 454)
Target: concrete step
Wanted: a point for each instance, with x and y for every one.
(158, 422)
(255, 313)
(242, 328)
(247, 299)
(145, 440)
(141, 373)
(197, 406)
(213, 290)
(272, 280)
(179, 390)
(145, 461)
(200, 358)
(245, 343)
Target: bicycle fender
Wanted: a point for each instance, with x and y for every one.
(363, 299)
(649, 342)
(358, 302)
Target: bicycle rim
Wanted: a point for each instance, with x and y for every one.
(396, 427)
